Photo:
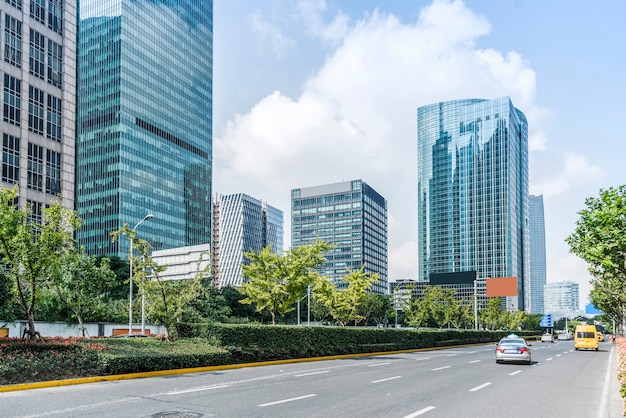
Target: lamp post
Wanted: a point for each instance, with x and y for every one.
(130, 261)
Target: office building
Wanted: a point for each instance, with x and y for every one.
(243, 224)
(537, 253)
(38, 76)
(350, 215)
(472, 159)
(184, 262)
(561, 299)
(144, 143)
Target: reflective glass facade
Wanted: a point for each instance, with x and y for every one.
(472, 158)
(245, 224)
(38, 82)
(144, 121)
(537, 253)
(350, 215)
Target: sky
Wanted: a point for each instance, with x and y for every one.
(312, 92)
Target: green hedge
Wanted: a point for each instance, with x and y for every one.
(262, 342)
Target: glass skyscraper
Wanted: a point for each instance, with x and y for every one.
(144, 121)
(38, 79)
(472, 158)
(350, 215)
(537, 253)
(245, 224)
(561, 298)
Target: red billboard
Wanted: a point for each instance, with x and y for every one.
(501, 286)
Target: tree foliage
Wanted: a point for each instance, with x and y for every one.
(277, 281)
(31, 251)
(345, 304)
(600, 239)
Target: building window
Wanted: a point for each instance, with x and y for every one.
(55, 15)
(35, 110)
(15, 3)
(12, 100)
(35, 167)
(10, 158)
(38, 10)
(12, 41)
(55, 63)
(36, 212)
(53, 172)
(37, 58)
(53, 126)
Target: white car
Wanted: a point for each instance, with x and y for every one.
(547, 338)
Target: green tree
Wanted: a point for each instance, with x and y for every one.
(345, 304)
(490, 317)
(82, 283)
(275, 282)
(374, 308)
(31, 251)
(600, 239)
(462, 315)
(415, 309)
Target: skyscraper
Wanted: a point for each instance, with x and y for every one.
(144, 143)
(537, 253)
(561, 298)
(244, 224)
(350, 215)
(472, 158)
(38, 76)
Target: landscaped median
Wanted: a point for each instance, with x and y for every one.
(202, 345)
(621, 369)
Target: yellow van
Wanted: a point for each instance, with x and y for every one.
(585, 337)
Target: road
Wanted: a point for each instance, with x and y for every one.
(455, 382)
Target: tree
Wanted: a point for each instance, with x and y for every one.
(490, 317)
(374, 307)
(275, 282)
(82, 283)
(415, 309)
(31, 251)
(600, 239)
(345, 304)
(462, 316)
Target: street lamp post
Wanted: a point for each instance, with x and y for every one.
(130, 261)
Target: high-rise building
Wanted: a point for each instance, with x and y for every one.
(537, 253)
(561, 298)
(243, 224)
(144, 143)
(472, 158)
(350, 215)
(38, 75)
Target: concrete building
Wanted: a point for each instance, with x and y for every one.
(537, 228)
(184, 262)
(472, 158)
(144, 140)
(561, 299)
(38, 75)
(350, 215)
(243, 224)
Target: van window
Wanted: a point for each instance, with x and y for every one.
(581, 334)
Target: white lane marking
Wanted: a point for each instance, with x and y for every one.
(548, 359)
(472, 352)
(388, 378)
(484, 385)
(180, 392)
(515, 372)
(450, 355)
(474, 361)
(378, 364)
(288, 400)
(420, 412)
(441, 368)
(558, 355)
(606, 387)
(423, 358)
(312, 373)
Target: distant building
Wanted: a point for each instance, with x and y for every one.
(242, 224)
(144, 121)
(537, 229)
(561, 298)
(183, 262)
(472, 159)
(38, 78)
(350, 215)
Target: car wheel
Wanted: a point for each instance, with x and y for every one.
(529, 362)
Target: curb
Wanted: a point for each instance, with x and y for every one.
(129, 376)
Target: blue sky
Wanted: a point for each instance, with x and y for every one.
(314, 92)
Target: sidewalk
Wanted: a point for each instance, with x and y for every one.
(616, 404)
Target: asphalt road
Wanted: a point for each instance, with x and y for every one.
(456, 382)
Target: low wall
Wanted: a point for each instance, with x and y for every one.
(16, 329)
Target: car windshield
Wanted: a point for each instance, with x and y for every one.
(512, 341)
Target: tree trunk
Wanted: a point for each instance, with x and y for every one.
(81, 326)
(32, 332)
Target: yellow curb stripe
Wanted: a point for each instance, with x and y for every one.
(128, 376)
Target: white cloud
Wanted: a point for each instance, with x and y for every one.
(356, 116)
(576, 171)
(278, 41)
(311, 13)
